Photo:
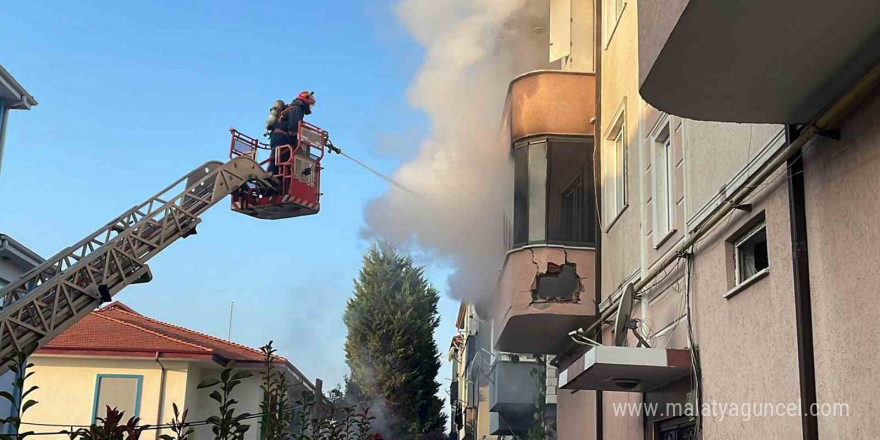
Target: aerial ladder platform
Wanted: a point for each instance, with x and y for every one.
(72, 283)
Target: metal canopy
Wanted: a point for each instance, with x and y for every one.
(632, 369)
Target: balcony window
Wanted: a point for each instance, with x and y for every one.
(553, 193)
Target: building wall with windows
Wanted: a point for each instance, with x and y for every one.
(676, 171)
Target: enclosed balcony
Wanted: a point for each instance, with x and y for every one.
(546, 284)
(513, 394)
(551, 102)
(777, 61)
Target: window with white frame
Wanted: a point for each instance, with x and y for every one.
(614, 170)
(663, 187)
(613, 11)
(750, 254)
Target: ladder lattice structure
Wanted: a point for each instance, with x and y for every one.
(53, 296)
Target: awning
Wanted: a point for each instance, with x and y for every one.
(635, 369)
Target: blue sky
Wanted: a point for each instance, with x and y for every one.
(133, 95)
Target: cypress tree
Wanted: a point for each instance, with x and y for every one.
(390, 346)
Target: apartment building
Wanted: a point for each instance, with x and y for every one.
(747, 240)
(546, 285)
(735, 181)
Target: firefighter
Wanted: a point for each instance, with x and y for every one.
(284, 131)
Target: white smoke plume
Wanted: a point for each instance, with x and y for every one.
(460, 175)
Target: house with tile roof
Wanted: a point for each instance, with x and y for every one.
(118, 357)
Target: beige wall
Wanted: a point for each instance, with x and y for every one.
(748, 345)
(575, 415)
(842, 183)
(67, 388)
(619, 90)
(67, 391)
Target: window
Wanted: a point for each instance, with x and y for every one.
(750, 254)
(117, 391)
(663, 187)
(553, 198)
(521, 195)
(613, 12)
(615, 164)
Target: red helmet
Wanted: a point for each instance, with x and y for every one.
(307, 97)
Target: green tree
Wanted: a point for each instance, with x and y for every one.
(390, 347)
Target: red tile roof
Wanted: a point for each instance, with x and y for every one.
(116, 329)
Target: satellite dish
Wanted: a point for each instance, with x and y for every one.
(623, 321)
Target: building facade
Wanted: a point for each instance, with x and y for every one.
(15, 260)
(729, 271)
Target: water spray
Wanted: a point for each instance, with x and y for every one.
(338, 151)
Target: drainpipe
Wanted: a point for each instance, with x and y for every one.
(4, 115)
(597, 167)
(801, 272)
(161, 406)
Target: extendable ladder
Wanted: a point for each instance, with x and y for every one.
(53, 296)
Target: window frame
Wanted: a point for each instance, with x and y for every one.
(737, 260)
(615, 141)
(138, 392)
(612, 16)
(662, 181)
(752, 227)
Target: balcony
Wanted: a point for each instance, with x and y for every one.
(754, 60)
(551, 102)
(544, 292)
(513, 392)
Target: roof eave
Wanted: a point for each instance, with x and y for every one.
(24, 99)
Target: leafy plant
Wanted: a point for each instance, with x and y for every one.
(18, 364)
(227, 425)
(340, 422)
(179, 426)
(109, 428)
(275, 424)
(541, 429)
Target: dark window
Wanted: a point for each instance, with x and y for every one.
(521, 196)
(570, 199)
(679, 428)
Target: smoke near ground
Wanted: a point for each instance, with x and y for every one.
(460, 175)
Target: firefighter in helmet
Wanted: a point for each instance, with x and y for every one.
(284, 130)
